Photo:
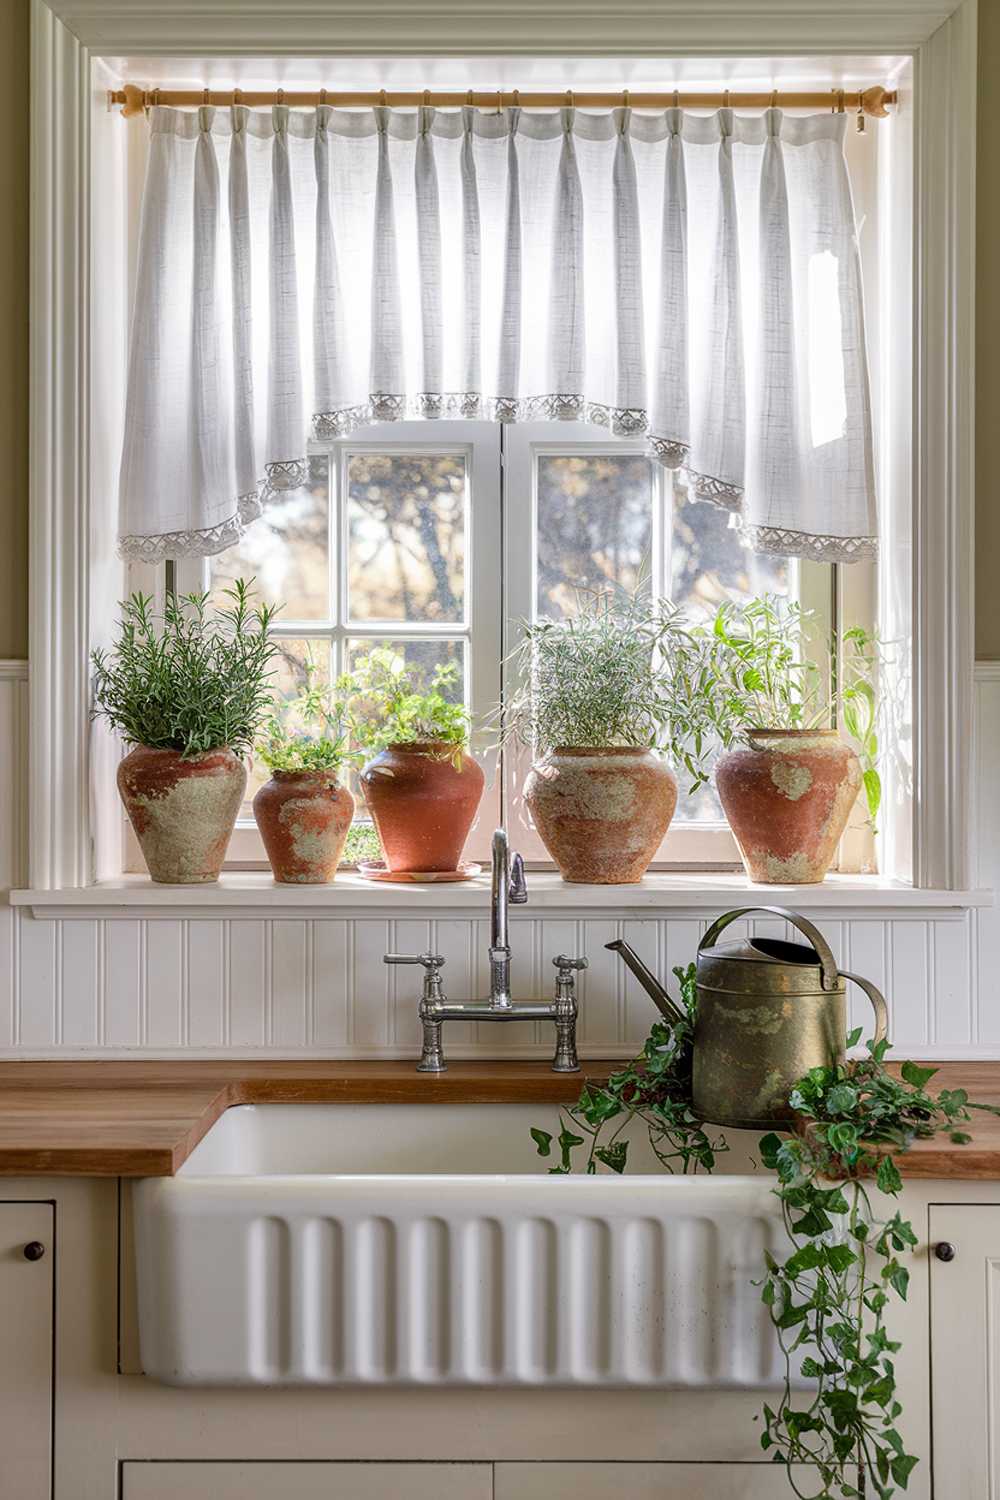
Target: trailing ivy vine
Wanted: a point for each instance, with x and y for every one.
(829, 1295)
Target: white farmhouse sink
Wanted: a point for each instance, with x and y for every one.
(420, 1244)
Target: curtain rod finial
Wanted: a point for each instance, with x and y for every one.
(135, 100)
(874, 100)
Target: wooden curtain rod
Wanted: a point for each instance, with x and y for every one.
(870, 101)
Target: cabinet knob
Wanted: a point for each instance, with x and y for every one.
(945, 1251)
(34, 1250)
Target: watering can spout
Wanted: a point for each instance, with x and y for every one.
(654, 989)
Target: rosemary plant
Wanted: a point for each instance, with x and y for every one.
(192, 679)
(598, 679)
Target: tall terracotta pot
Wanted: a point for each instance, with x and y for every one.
(422, 798)
(304, 818)
(601, 813)
(788, 796)
(183, 810)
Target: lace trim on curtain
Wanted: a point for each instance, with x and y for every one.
(283, 474)
(777, 541)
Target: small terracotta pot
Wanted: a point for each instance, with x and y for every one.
(601, 814)
(303, 817)
(422, 798)
(788, 797)
(182, 810)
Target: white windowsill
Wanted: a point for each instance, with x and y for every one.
(254, 894)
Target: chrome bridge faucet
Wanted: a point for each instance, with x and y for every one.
(508, 889)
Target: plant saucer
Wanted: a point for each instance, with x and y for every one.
(375, 869)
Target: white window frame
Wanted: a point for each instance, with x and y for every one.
(77, 355)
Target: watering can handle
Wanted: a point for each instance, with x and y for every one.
(828, 963)
(878, 1003)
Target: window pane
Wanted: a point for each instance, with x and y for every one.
(708, 564)
(594, 523)
(287, 682)
(406, 536)
(421, 657)
(286, 550)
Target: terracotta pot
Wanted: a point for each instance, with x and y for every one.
(788, 797)
(601, 814)
(422, 800)
(183, 811)
(303, 817)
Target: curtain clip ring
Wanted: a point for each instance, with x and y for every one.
(427, 98)
(725, 98)
(280, 99)
(569, 98)
(774, 99)
(677, 98)
(517, 98)
(204, 98)
(860, 117)
(381, 99)
(322, 96)
(499, 101)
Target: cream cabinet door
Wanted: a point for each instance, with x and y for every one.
(26, 1282)
(642, 1481)
(965, 1350)
(305, 1481)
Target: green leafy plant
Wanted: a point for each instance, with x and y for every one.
(597, 679)
(324, 742)
(829, 1294)
(654, 1088)
(192, 679)
(761, 665)
(392, 706)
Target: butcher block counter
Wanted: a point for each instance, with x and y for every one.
(143, 1118)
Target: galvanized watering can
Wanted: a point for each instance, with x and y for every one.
(768, 1011)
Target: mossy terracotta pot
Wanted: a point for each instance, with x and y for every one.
(304, 818)
(182, 809)
(787, 796)
(423, 799)
(601, 813)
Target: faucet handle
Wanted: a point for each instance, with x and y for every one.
(517, 889)
(430, 961)
(564, 963)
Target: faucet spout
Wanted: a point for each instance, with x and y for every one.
(654, 989)
(508, 886)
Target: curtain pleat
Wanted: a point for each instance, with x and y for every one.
(563, 397)
(629, 415)
(429, 394)
(670, 423)
(693, 279)
(386, 368)
(330, 388)
(470, 389)
(509, 361)
(241, 273)
(774, 464)
(718, 446)
(285, 422)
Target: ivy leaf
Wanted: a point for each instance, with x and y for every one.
(887, 1177)
(614, 1156)
(542, 1140)
(902, 1467)
(916, 1076)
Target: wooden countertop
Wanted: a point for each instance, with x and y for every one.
(143, 1118)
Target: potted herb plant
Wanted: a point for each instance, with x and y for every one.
(593, 706)
(787, 780)
(422, 786)
(303, 812)
(186, 690)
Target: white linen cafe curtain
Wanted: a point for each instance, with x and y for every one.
(691, 278)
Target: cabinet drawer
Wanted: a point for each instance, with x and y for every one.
(305, 1481)
(26, 1351)
(642, 1481)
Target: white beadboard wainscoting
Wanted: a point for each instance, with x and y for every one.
(198, 980)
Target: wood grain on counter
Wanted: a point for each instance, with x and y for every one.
(143, 1118)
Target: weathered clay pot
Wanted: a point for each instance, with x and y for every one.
(422, 799)
(183, 811)
(788, 797)
(601, 814)
(303, 817)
